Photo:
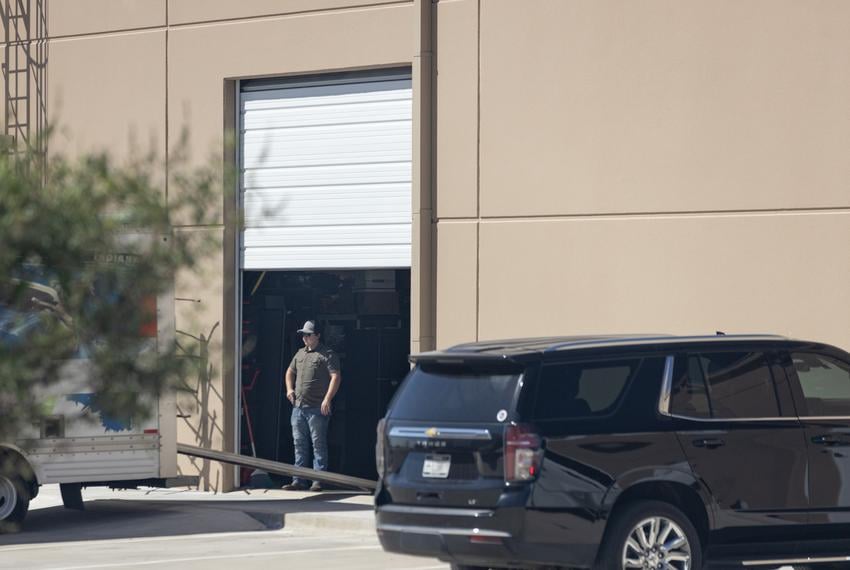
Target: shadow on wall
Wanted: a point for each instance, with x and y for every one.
(25, 72)
(194, 401)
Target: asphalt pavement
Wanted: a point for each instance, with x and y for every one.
(184, 529)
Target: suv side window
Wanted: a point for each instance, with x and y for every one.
(689, 395)
(825, 382)
(581, 389)
(724, 385)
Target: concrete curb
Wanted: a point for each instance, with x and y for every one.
(272, 509)
(362, 523)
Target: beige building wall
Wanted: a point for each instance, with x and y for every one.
(655, 166)
(126, 115)
(131, 76)
(669, 165)
(202, 62)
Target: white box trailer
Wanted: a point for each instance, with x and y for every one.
(77, 446)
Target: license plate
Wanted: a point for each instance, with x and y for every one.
(437, 466)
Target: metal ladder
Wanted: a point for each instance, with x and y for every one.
(25, 71)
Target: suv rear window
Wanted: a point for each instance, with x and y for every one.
(581, 389)
(449, 395)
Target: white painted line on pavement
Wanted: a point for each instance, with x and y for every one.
(219, 557)
(72, 543)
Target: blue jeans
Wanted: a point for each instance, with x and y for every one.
(308, 424)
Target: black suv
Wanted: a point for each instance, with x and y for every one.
(620, 452)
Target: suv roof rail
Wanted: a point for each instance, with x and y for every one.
(661, 339)
(441, 357)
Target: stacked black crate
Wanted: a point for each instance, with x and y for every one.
(376, 361)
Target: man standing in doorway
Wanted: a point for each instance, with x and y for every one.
(312, 381)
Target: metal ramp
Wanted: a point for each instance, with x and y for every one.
(278, 468)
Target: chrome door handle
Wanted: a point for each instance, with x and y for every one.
(826, 440)
(709, 443)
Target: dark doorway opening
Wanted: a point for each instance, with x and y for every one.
(364, 316)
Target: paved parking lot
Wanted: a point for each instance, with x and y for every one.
(186, 530)
(178, 529)
(260, 549)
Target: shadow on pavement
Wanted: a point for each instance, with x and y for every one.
(157, 517)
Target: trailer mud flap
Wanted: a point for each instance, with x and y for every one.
(278, 468)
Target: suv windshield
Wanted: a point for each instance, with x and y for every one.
(443, 395)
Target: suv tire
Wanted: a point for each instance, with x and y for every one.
(669, 525)
(14, 497)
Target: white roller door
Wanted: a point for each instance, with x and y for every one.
(326, 175)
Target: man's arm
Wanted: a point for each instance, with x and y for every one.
(336, 378)
(290, 385)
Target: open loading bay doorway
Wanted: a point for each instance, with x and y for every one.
(364, 315)
(326, 195)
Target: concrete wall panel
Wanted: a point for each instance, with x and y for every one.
(457, 282)
(74, 17)
(660, 106)
(457, 108)
(93, 113)
(684, 274)
(204, 417)
(201, 58)
(192, 11)
(38, 19)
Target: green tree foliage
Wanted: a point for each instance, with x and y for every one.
(86, 248)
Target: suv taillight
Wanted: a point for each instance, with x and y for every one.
(523, 454)
(380, 461)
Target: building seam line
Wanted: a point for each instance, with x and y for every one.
(633, 215)
(478, 182)
(268, 17)
(167, 126)
(261, 17)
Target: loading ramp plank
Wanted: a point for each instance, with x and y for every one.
(277, 468)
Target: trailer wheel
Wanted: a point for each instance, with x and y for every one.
(14, 499)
